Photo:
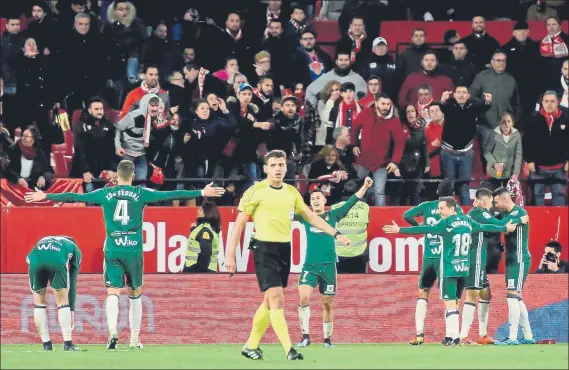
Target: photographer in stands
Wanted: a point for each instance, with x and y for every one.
(551, 262)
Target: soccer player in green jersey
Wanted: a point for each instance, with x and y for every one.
(319, 267)
(518, 263)
(54, 259)
(431, 254)
(123, 208)
(455, 231)
(477, 285)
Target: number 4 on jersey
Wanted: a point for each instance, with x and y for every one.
(121, 212)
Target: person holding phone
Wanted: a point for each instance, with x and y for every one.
(551, 262)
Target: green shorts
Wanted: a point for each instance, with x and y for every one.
(452, 287)
(323, 275)
(429, 273)
(42, 273)
(119, 267)
(477, 278)
(516, 275)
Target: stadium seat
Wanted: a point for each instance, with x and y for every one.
(75, 117)
(60, 164)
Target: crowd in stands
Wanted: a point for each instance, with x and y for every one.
(203, 89)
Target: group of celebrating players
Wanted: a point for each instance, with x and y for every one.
(455, 254)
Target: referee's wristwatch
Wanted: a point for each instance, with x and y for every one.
(336, 234)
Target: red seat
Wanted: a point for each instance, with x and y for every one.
(75, 117)
(60, 164)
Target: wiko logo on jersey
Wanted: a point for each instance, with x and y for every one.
(49, 246)
(125, 242)
(437, 250)
(461, 268)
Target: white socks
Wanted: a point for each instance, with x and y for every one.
(483, 309)
(524, 320)
(513, 316)
(64, 316)
(304, 318)
(328, 328)
(40, 319)
(452, 324)
(467, 318)
(112, 310)
(135, 318)
(420, 315)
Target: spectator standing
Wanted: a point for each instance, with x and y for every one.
(563, 91)
(275, 44)
(82, 55)
(11, 45)
(374, 88)
(346, 109)
(425, 95)
(43, 28)
(428, 76)
(327, 100)
(503, 154)
(554, 50)
(309, 62)
(263, 98)
(410, 61)
(380, 147)
(357, 42)
(263, 67)
(459, 68)
(274, 12)
(69, 11)
(149, 85)
(459, 130)
(382, 65)
(415, 159)
(342, 143)
(551, 262)
(450, 38)
(294, 28)
(161, 52)
(227, 74)
(176, 93)
(199, 82)
(504, 90)
(481, 46)
(94, 140)
(433, 136)
(124, 36)
(342, 73)
(523, 60)
(546, 150)
(29, 165)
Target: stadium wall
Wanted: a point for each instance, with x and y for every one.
(166, 231)
(209, 308)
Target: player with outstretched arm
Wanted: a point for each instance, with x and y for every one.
(319, 267)
(456, 232)
(273, 205)
(123, 209)
(55, 259)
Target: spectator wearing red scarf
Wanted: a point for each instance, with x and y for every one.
(345, 110)
(374, 88)
(357, 42)
(554, 49)
(546, 149)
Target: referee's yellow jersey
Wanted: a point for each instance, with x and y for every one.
(273, 210)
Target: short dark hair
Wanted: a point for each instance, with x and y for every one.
(211, 215)
(347, 86)
(430, 52)
(309, 30)
(317, 190)
(231, 58)
(483, 193)
(276, 20)
(459, 85)
(155, 100)
(234, 12)
(117, 2)
(435, 104)
(450, 201)
(148, 66)
(275, 153)
(13, 18)
(419, 30)
(94, 99)
(425, 87)
(358, 17)
(263, 78)
(555, 245)
(553, 17)
(196, 103)
(446, 188)
(383, 95)
(501, 191)
(191, 66)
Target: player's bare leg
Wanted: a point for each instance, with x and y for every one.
(65, 318)
(327, 319)
(40, 318)
(420, 315)
(112, 311)
(513, 298)
(468, 315)
(483, 309)
(135, 316)
(452, 323)
(275, 297)
(304, 294)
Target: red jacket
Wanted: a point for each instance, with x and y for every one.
(382, 139)
(434, 131)
(438, 82)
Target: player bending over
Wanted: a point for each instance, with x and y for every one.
(320, 264)
(518, 262)
(431, 254)
(55, 259)
(477, 285)
(273, 205)
(455, 231)
(123, 208)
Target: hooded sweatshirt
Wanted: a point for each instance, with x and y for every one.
(315, 87)
(130, 129)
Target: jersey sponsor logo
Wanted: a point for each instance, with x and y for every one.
(125, 242)
(486, 215)
(437, 250)
(49, 246)
(511, 284)
(461, 267)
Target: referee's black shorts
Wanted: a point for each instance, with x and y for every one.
(272, 264)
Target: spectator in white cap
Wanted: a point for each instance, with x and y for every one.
(382, 65)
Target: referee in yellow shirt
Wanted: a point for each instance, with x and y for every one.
(272, 204)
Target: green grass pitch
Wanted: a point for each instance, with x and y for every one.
(353, 356)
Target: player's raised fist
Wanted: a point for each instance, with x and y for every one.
(368, 182)
(211, 191)
(36, 196)
(391, 229)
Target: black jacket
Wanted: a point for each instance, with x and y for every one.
(40, 167)
(550, 67)
(279, 60)
(299, 66)
(480, 49)
(459, 129)
(415, 154)
(94, 146)
(347, 43)
(162, 53)
(563, 269)
(218, 45)
(385, 68)
(10, 47)
(121, 43)
(248, 137)
(410, 59)
(461, 72)
(46, 34)
(286, 134)
(38, 81)
(543, 146)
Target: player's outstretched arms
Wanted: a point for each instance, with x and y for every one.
(93, 197)
(477, 227)
(314, 220)
(238, 227)
(153, 196)
(422, 229)
(410, 215)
